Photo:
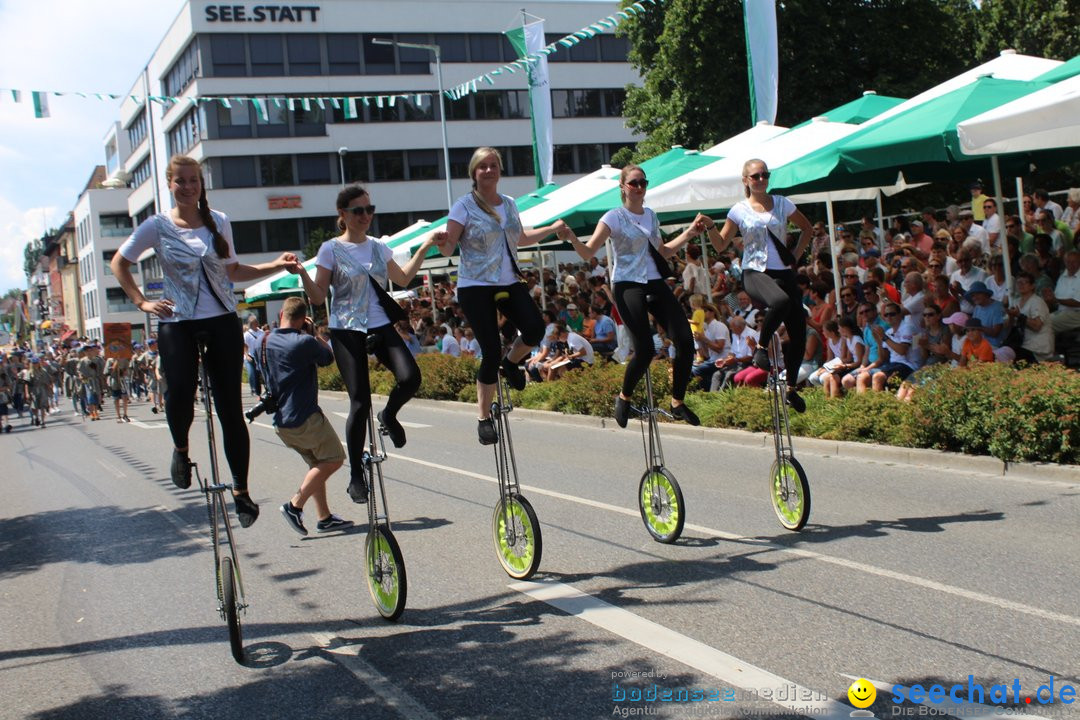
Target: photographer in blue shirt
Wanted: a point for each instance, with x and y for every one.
(289, 357)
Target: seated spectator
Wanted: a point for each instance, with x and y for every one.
(743, 344)
(975, 349)
(1044, 203)
(1030, 264)
(966, 274)
(1032, 313)
(1066, 294)
(813, 356)
(967, 222)
(991, 315)
(603, 340)
(697, 313)
(1049, 260)
(849, 303)
(1071, 215)
(448, 344)
(860, 377)
(577, 353)
(695, 277)
(574, 319)
(407, 335)
(745, 308)
(470, 346)
(832, 353)
(537, 366)
(713, 343)
(897, 341)
(920, 243)
(822, 311)
(888, 290)
(914, 299)
(995, 281)
(1045, 225)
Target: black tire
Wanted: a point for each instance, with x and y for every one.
(660, 501)
(790, 493)
(521, 558)
(232, 614)
(385, 570)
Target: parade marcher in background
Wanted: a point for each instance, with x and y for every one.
(357, 268)
(769, 266)
(639, 274)
(91, 372)
(195, 248)
(7, 391)
(252, 339)
(160, 386)
(292, 354)
(488, 228)
(116, 374)
(38, 384)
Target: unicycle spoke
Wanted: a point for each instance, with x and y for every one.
(385, 572)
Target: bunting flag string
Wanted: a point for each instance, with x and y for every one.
(586, 33)
(260, 103)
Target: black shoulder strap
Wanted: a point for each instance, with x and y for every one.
(265, 365)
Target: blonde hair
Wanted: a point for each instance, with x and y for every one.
(221, 247)
(746, 167)
(697, 300)
(624, 175)
(479, 154)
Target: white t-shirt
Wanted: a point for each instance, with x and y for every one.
(472, 346)
(701, 277)
(198, 239)
(740, 342)
(716, 331)
(915, 304)
(775, 220)
(253, 341)
(460, 215)
(450, 345)
(360, 253)
(993, 225)
(853, 344)
(577, 343)
(613, 219)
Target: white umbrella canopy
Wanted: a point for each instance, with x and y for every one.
(1048, 118)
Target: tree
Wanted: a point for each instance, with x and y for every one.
(1047, 28)
(692, 57)
(32, 256)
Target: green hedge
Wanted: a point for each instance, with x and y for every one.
(1029, 414)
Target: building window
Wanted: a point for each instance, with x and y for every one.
(282, 235)
(107, 257)
(390, 223)
(613, 102)
(183, 71)
(378, 59)
(137, 129)
(235, 121)
(117, 301)
(238, 172)
(356, 168)
(114, 225)
(386, 113)
(423, 164)
(459, 109)
(425, 110)
(459, 162)
(267, 55)
(304, 55)
(517, 104)
(343, 54)
(309, 122)
(489, 105)
(613, 48)
(521, 160)
(387, 165)
(585, 51)
(228, 56)
(144, 214)
(591, 157)
(564, 159)
(486, 47)
(414, 61)
(313, 169)
(247, 237)
(560, 54)
(276, 170)
(141, 173)
(184, 134)
(453, 47)
(276, 123)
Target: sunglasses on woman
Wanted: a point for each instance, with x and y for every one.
(759, 176)
(361, 209)
(642, 183)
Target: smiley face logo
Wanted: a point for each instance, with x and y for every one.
(861, 694)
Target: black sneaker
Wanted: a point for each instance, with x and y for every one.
(684, 413)
(154, 410)
(358, 489)
(333, 523)
(515, 376)
(761, 359)
(180, 470)
(295, 517)
(247, 512)
(795, 401)
(622, 410)
(393, 427)
(485, 429)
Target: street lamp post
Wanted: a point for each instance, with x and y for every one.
(442, 109)
(341, 153)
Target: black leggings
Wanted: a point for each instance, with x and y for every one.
(350, 352)
(635, 309)
(224, 366)
(478, 303)
(781, 295)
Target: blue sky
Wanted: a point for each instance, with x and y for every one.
(62, 45)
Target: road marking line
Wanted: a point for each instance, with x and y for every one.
(404, 423)
(945, 706)
(110, 468)
(799, 552)
(653, 636)
(348, 656)
(148, 426)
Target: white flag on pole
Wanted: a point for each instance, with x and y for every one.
(528, 40)
(761, 58)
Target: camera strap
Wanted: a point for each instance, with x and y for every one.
(266, 365)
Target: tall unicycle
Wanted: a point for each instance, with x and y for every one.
(660, 498)
(788, 488)
(383, 562)
(514, 527)
(231, 603)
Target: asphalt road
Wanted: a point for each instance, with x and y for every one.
(904, 576)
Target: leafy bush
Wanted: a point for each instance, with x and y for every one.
(1028, 414)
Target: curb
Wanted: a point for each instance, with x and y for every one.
(920, 457)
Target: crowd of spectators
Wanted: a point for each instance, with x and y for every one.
(926, 290)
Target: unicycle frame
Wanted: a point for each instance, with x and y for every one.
(777, 390)
(505, 462)
(374, 457)
(647, 414)
(214, 491)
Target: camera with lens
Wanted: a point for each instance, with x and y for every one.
(267, 404)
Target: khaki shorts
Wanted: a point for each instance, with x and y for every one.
(315, 440)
